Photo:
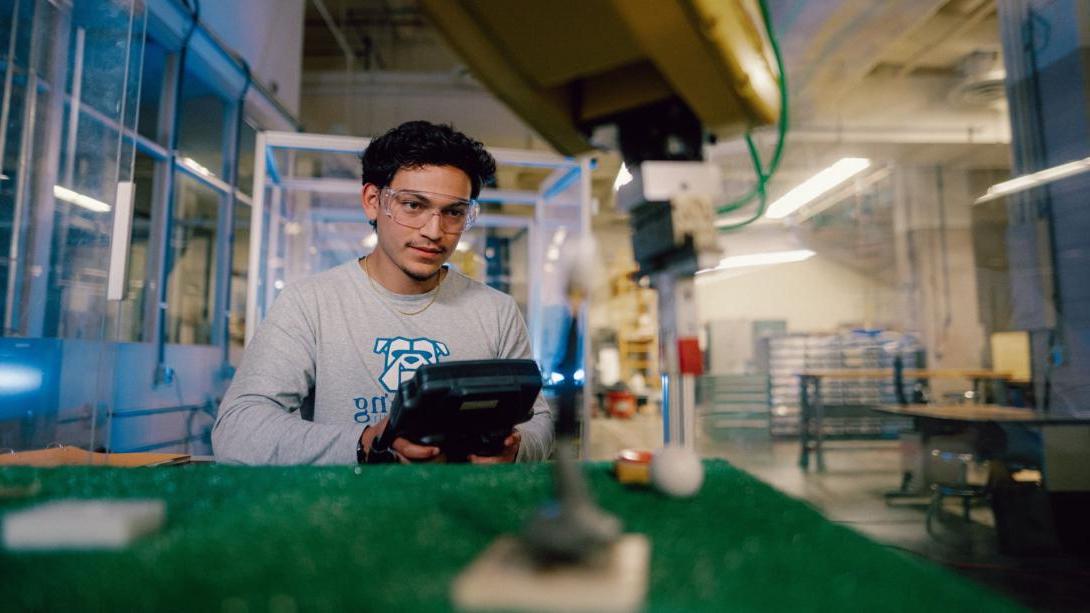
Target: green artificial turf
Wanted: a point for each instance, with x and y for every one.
(379, 538)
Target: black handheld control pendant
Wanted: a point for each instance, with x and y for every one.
(462, 407)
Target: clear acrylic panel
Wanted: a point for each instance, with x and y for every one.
(191, 277)
(154, 71)
(240, 266)
(131, 315)
(74, 76)
(497, 257)
(245, 179)
(202, 126)
(901, 264)
(323, 164)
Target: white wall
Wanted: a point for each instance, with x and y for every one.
(816, 295)
(269, 35)
(374, 102)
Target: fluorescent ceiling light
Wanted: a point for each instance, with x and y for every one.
(815, 186)
(196, 167)
(623, 177)
(1036, 179)
(760, 259)
(79, 199)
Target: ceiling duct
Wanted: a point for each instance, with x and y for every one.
(982, 82)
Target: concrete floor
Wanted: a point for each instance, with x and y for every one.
(850, 492)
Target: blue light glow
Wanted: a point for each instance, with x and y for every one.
(555, 378)
(17, 379)
(578, 376)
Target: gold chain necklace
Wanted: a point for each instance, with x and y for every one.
(435, 293)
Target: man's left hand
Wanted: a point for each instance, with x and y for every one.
(510, 450)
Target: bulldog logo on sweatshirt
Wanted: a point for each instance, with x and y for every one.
(404, 355)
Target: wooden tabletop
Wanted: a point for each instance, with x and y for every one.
(908, 373)
(74, 456)
(980, 412)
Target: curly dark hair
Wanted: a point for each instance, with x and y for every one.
(414, 144)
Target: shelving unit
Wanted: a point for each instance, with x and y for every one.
(633, 311)
(846, 401)
(639, 355)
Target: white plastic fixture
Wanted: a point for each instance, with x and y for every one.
(623, 177)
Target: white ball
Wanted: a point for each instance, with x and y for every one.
(677, 471)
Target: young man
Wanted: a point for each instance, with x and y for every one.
(346, 338)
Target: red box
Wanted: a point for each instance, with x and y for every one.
(690, 358)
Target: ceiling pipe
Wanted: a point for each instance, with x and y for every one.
(338, 35)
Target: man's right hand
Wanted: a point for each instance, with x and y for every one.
(406, 450)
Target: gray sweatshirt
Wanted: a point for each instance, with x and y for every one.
(341, 339)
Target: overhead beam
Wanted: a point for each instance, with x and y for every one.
(983, 11)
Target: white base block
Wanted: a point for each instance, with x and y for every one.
(82, 524)
(505, 577)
